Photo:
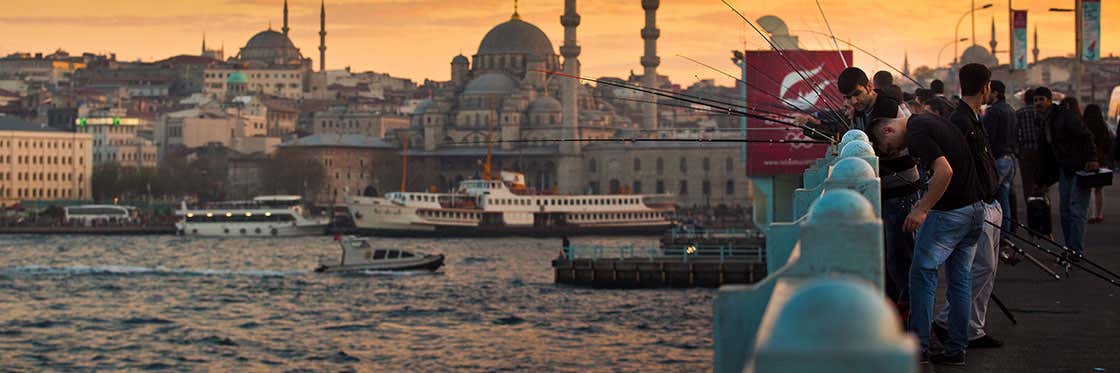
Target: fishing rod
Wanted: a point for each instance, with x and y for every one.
(1030, 258)
(784, 58)
(1077, 255)
(717, 111)
(756, 105)
(641, 139)
(1062, 259)
(850, 44)
(791, 106)
(842, 59)
(656, 93)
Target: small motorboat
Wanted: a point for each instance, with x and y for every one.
(359, 255)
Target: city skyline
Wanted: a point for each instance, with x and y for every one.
(702, 29)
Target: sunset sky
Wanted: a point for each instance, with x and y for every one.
(417, 38)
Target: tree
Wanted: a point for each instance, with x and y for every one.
(292, 171)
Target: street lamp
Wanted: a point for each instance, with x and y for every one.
(1076, 86)
(946, 46)
(956, 30)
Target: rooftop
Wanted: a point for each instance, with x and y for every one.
(337, 140)
(16, 124)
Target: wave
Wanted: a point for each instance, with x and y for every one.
(37, 270)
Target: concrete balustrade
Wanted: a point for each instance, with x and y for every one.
(837, 235)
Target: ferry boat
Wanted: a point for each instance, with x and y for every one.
(264, 216)
(359, 255)
(503, 207)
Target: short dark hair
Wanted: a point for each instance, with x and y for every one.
(924, 95)
(873, 130)
(1028, 96)
(883, 78)
(937, 87)
(1000, 89)
(849, 79)
(973, 78)
(1044, 92)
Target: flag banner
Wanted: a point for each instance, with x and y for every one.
(1019, 43)
(1090, 30)
(809, 85)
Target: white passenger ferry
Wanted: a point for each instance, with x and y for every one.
(263, 216)
(503, 207)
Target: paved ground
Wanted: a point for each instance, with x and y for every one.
(1067, 325)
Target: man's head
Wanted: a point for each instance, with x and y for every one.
(974, 80)
(857, 91)
(921, 101)
(888, 135)
(998, 92)
(883, 79)
(1028, 97)
(937, 87)
(1042, 98)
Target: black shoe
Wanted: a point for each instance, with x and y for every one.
(940, 333)
(923, 358)
(985, 342)
(956, 359)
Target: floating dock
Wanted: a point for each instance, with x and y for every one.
(596, 267)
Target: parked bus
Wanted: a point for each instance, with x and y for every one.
(89, 214)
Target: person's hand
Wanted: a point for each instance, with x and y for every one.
(915, 219)
(1092, 166)
(802, 119)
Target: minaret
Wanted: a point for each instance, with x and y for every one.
(203, 44)
(285, 28)
(650, 61)
(570, 173)
(322, 36)
(906, 64)
(993, 42)
(1035, 50)
(569, 95)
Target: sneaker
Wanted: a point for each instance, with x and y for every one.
(940, 333)
(956, 359)
(923, 358)
(986, 341)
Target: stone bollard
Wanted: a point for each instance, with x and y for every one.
(840, 235)
(867, 339)
(848, 173)
(816, 174)
(862, 150)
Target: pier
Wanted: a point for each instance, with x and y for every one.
(77, 230)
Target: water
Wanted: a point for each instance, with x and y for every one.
(171, 303)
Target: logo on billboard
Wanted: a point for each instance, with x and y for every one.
(807, 99)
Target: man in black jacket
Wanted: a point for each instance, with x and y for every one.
(999, 121)
(975, 87)
(939, 104)
(1073, 148)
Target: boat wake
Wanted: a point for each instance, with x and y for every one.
(113, 270)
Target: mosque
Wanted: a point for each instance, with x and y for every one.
(505, 92)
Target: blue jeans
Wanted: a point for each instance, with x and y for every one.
(898, 246)
(1074, 207)
(946, 237)
(1005, 167)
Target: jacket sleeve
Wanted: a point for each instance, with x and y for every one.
(1080, 135)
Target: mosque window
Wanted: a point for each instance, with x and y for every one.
(730, 187)
(660, 186)
(729, 164)
(660, 166)
(637, 164)
(706, 187)
(683, 189)
(706, 164)
(684, 165)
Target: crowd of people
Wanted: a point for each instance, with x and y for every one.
(948, 169)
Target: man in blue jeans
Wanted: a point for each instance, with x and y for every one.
(947, 219)
(1003, 136)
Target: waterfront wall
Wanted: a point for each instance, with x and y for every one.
(821, 308)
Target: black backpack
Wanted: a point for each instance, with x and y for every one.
(987, 178)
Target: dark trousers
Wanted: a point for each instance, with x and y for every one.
(898, 246)
(1028, 168)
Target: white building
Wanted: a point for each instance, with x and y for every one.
(42, 164)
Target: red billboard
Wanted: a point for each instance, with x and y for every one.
(802, 81)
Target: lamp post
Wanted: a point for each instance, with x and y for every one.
(956, 30)
(1076, 85)
(946, 46)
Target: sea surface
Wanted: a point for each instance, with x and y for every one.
(186, 304)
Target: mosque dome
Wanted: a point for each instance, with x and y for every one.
(460, 60)
(978, 54)
(516, 37)
(237, 77)
(270, 47)
(492, 83)
(545, 104)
